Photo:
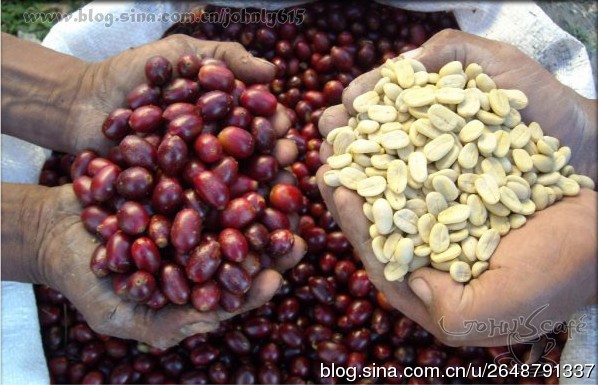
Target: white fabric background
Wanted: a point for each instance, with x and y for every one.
(520, 23)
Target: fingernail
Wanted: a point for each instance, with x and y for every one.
(421, 290)
(264, 61)
(412, 54)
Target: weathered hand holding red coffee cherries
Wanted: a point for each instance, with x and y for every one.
(181, 219)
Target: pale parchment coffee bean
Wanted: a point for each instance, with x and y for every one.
(371, 186)
(417, 165)
(424, 127)
(332, 134)
(439, 238)
(473, 70)
(381, 161)
(331, 178)
(451, 68)
(548, 178)
(470, 104)
(435, 202)
(503, 143)
(340, 161)
(499, 102)
(418, 97)
(487, 244)
(487, 143)
(454, 214)
(367, 211)
(517, 99)
(446, 187)
(444, 119)
(393, 140)
(466, 182)
(468, 246)
(364, 146)
(458, 236)
(569, 186)
(478, 212)
(403, 253)
(542, 162)
(395, 271)
(406, 221)
(397, 176)
(485, 82)
(501, 224)
(517, 220)
(449, 95)
(378, 249)
(452, 252)
(391, 244)
(477, 231)
(342, 141)
(439, 147)
(510, 199)
(396, 201)
(497, 209)
(382, 213)
(368, 126)
(443, 266)
(478, 268)
(460, 272)
(489, 118)
(468, 156)
(583, 181)
(520, 136)
(424, 226)
(382, 114)
(350, 177)
(452, 81)
(417, 205)
(487, 189)
(421, 251)
(363, 102)
(522, 160)
(404, 73)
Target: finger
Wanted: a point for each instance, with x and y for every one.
(333, 117)
(327, 193)
(398, 294)
(360, 85)
(246, 67)
(280, 121)
(290, 259)
(285, 151)
(326, 151)
(263, 288)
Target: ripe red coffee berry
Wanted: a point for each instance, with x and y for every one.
(237, 214)
(134, 183)
(136, 151)
(132, 218)
(258, 102)
(141, 285)
(158, 70)
(188, 66)
(211, 189)
(215, 77)
(233, 278)
(204, 261)
(145, 255)
(116, 125)
(286, 198)
(208, 148)
(103, 183)
(187, 126)
(172, 154)
(174, 284)
(281, 242)
(233, 245)
(146, 119)
(205, 296)
(185, 233)
(159, 230)
(214, 105)
(118, 252)
(236, 142)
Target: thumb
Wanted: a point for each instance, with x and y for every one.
(245, 66)
(440, 294)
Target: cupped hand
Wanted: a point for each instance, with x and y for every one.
(105, 85)
(551, 260)
(65, 252)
